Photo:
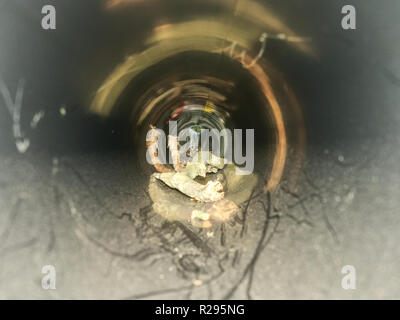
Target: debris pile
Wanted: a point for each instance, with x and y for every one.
(208, 191)
(202, 163)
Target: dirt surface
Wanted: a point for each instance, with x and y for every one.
(93, 220)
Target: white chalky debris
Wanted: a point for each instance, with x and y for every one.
(197, 283)
(14, 108)
(36, 119)
(198, 214)
(201, 164)
(22, 144)
(212, 191)
(201, 219)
